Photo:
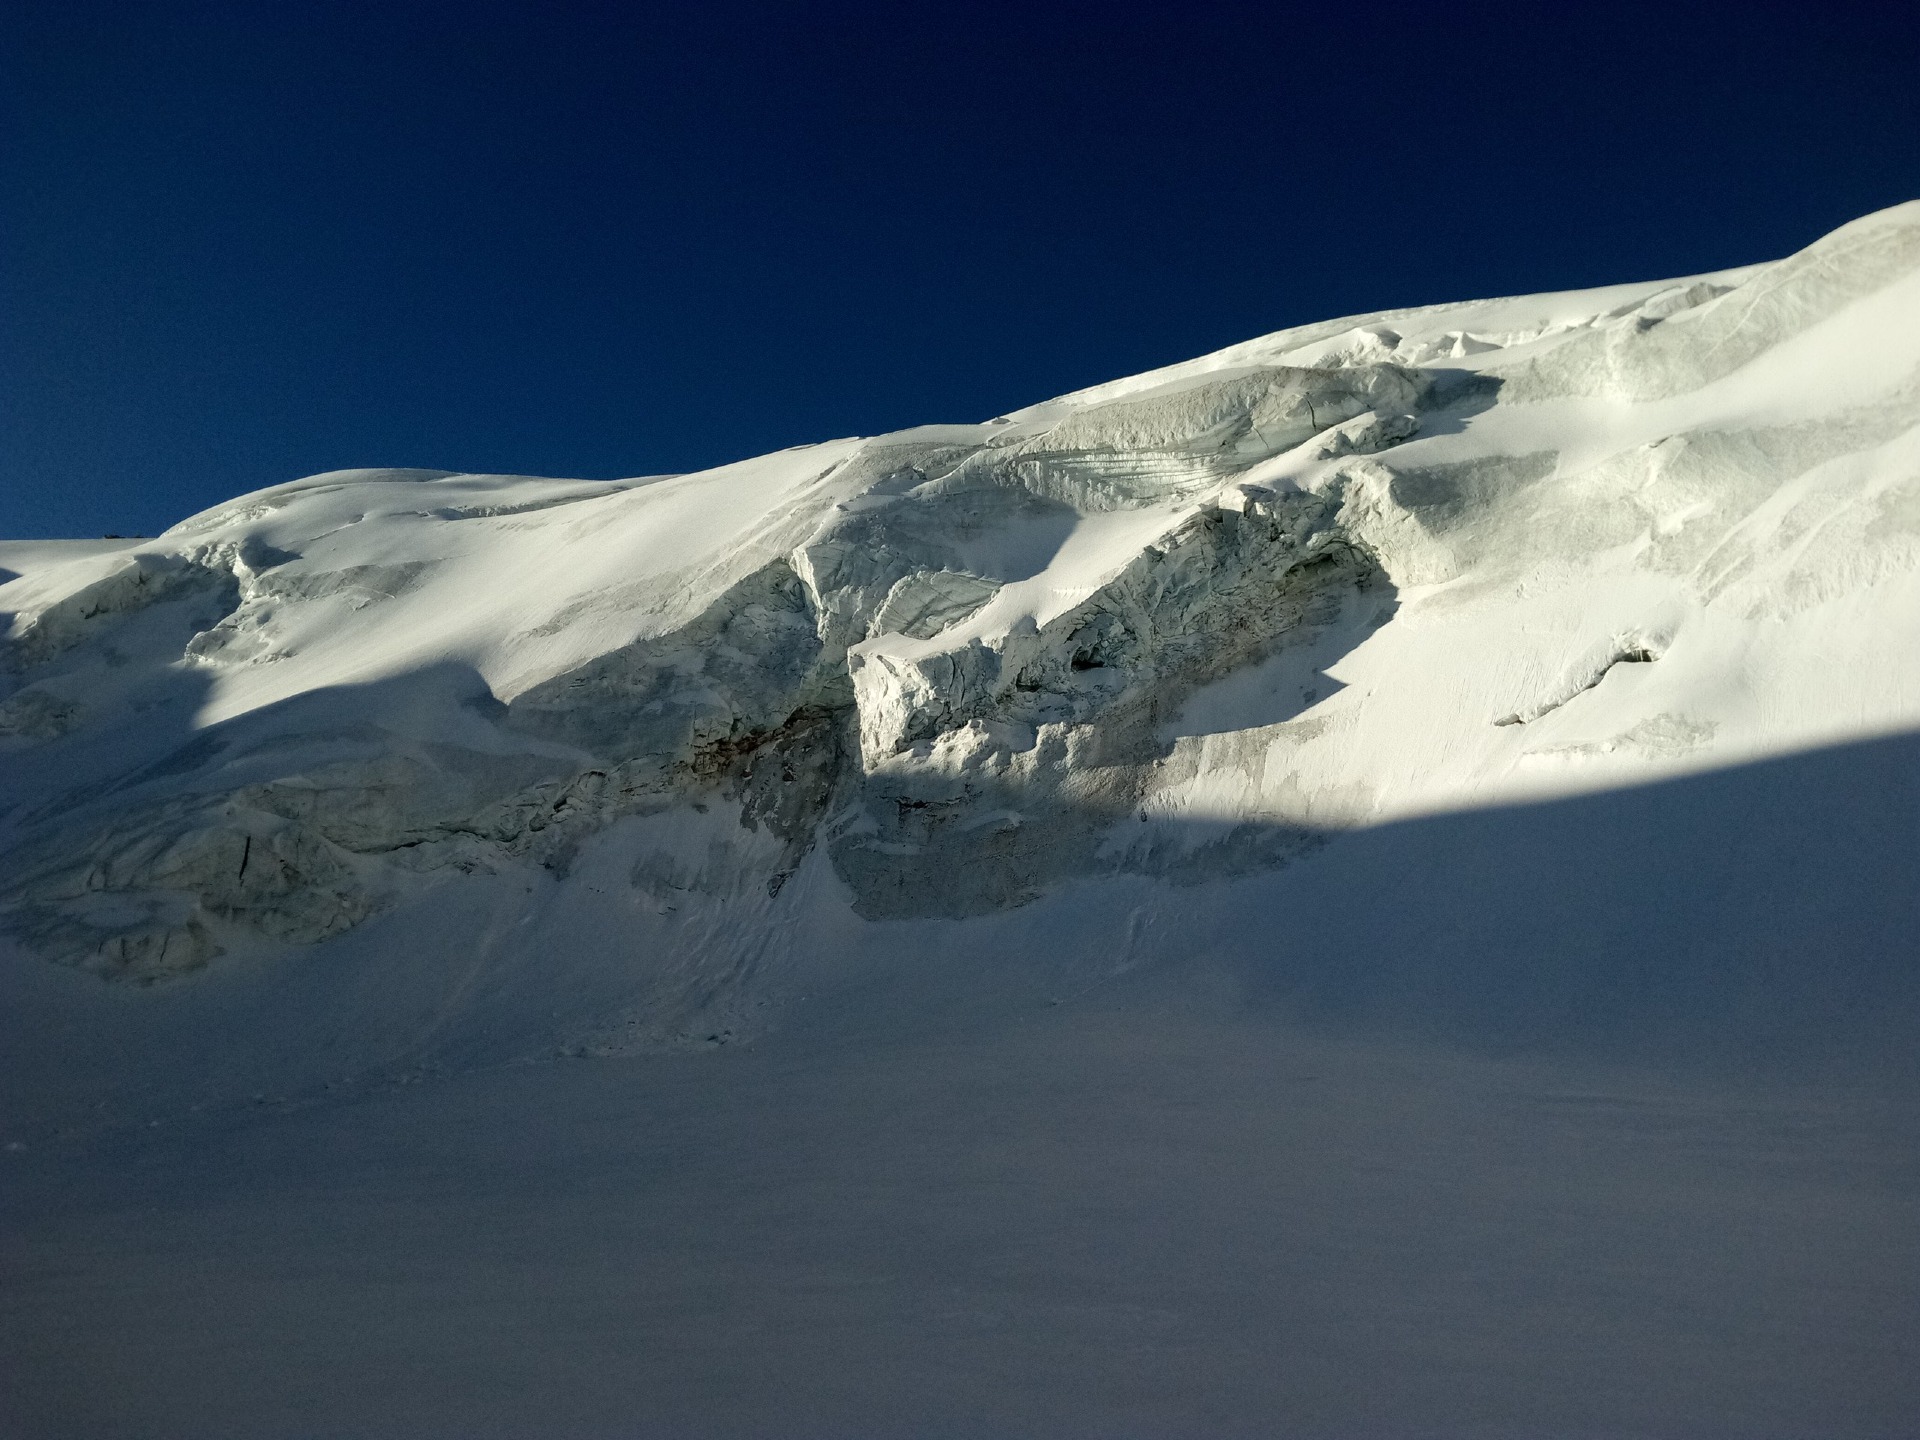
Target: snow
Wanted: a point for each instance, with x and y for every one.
(1363, 883)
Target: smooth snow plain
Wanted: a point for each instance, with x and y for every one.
(1368, 883)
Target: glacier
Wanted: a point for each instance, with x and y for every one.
(961, 658)
(1530, 681)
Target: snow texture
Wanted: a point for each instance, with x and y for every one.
(1488, 702)
(958, 657)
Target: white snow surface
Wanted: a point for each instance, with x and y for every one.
(989, 834)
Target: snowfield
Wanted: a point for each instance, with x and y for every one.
(1367, 883)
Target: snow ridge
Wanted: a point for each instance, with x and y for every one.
(1180, 626)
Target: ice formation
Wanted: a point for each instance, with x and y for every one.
(1184, 625)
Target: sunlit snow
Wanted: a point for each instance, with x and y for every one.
(961, 854)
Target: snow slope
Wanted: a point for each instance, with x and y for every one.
(1344, 574)
(1478, 704)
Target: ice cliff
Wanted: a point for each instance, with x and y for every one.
(1181, 626)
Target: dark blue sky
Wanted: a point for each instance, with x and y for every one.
(242, 243)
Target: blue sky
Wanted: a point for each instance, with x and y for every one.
(242, 243)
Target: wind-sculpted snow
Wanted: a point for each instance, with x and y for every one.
(1181, 626)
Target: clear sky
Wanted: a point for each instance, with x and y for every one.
(245, 242)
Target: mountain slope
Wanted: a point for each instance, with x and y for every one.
(1180, 625)
(1362, 884)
